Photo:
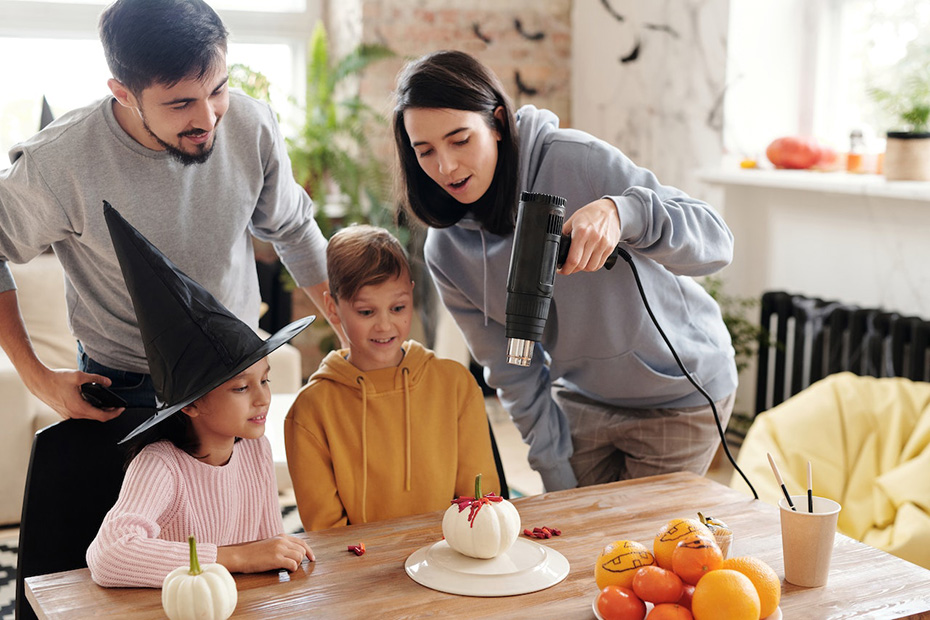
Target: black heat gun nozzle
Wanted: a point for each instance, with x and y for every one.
(539, 249)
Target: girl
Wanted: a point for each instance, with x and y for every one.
(603, 398)
(206, 468)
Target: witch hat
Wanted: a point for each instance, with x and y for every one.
(192, 342)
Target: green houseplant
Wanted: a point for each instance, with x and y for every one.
(331, 155)
(745, 333)
(907, 152)
(332, 158)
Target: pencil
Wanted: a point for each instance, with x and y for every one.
(780, 481)
(810, 489)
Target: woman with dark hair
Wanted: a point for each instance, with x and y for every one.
(603, 398)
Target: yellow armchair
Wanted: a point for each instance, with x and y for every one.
(868, 441)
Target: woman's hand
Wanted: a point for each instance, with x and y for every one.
(595, 232)
(280, 551)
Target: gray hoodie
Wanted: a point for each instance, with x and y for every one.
(599, 339)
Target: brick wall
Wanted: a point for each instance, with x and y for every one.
(526, 42)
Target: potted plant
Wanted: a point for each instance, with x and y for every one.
(907, 152)
(746, 334)
(331, 155)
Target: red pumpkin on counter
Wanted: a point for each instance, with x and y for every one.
(794, 152)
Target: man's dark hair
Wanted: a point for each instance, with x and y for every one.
(150, 42)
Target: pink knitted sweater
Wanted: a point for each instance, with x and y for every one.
(167, 495)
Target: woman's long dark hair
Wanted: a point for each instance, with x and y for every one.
(455, 80)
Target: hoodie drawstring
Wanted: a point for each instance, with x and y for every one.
(361, 381)
(484, 256)
(406, 373)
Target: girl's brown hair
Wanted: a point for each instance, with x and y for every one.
(360, 255)
(457, 81)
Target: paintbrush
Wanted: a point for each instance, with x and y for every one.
(781, 482)
(810, 489)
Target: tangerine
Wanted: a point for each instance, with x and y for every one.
(670, 611)
(725, 594)
(687, 593)
(618, 603)
(695, 557)
(657, 585)
(672, 533)
(763, 577)
(619, 561)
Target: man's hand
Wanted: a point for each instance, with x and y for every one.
(595, 232)
(61, 390)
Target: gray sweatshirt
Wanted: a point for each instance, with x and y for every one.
(599, 340)
(200, 216)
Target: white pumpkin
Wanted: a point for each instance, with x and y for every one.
(195, 593)
(481, 527)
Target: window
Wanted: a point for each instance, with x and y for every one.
(805, 66)
(56, 54)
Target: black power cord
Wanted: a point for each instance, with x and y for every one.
(642, 293)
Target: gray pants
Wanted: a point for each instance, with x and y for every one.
(614, 443)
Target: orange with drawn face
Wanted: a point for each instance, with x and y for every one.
(618, 563)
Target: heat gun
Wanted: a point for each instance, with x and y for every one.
(539, 249)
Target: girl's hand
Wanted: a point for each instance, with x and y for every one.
(595, 232)
(274, 553)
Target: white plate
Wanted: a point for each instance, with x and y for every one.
(775, 615)
(526, 567)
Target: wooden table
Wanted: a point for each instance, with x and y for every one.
(864, 582)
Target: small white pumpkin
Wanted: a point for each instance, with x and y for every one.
(481, 527)
(196, 593)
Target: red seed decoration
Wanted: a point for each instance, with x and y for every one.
(475, 503)
(358, 549)
(542, 532)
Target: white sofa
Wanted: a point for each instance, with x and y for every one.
(40, 290)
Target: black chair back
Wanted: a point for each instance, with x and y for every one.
(499, 464)
(75, 474)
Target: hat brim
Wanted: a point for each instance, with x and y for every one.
(281, 337)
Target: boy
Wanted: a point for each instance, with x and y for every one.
(384, 428)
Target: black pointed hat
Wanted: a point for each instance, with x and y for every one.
(192, 342)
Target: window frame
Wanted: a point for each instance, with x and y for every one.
(58, 20)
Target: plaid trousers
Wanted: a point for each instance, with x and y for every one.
(616, 443)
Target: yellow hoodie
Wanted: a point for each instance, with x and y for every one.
(366, 446)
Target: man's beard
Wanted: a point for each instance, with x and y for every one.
(181, 156)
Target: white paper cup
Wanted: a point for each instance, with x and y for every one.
(807, 539)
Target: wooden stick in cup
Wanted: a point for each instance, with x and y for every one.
(781, 482)
(810, 489)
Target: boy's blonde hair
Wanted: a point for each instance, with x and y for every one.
(360, 255)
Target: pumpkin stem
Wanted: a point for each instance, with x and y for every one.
(195, 563)
(478, 487)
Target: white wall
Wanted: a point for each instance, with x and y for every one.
(663, 109)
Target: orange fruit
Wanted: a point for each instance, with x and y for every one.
(695, 557)
(618, 562)
(670, 611)
(763, 577)
(672, 533)
(687, 593)
(617, 603)
(657, 585)
(725, 594)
